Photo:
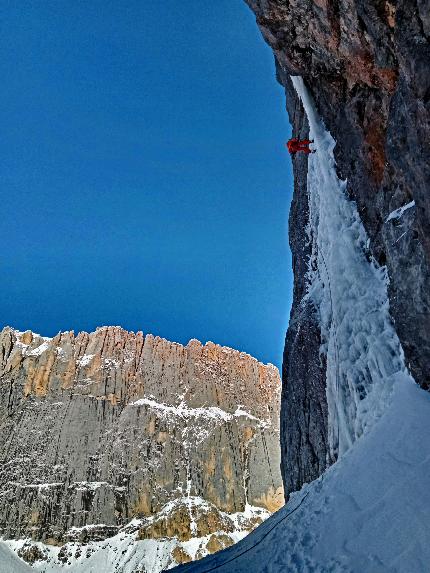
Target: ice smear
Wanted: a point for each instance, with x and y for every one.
(397, 213)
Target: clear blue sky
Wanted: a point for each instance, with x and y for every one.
(144, 178)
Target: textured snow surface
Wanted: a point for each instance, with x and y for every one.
(349, 291)
(9, 563)
(369, 513)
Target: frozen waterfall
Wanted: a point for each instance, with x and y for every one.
(349, 292)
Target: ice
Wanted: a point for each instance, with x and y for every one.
(349, 293)
(397, 213)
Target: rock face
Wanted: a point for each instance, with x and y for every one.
(101, 430)
(366, 64)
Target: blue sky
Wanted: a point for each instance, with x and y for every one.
(144, 178)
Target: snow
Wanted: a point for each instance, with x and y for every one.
(240, 412)
(9, 563)
(397, 213)
(123, 553)
(111, 363)
(369, 513)
(38, 486)
(19, 333)
(85, 360)
(40, 349)
(211, 412)
(350, 297)
(85, 527)
(183, 410)
(88, 485)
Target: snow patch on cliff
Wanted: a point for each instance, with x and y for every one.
(397, 213)
(183, 410)
(40, 349)
(85, 360)
(210, 412)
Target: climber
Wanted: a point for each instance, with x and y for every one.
(295, 145)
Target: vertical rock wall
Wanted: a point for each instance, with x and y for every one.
(99, 429)
(304, 436)
(366, 64)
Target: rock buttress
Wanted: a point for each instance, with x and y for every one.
(366, 66)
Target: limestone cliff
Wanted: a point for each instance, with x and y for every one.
(365, 63)
(114, 433)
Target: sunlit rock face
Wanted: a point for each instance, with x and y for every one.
(365, 64)
(112, 430)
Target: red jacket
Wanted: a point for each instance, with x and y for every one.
(292, 145)
(295, 145)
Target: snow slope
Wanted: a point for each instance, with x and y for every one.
(370, 512)
(9, 563)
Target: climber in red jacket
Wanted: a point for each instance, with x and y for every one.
(295, 145)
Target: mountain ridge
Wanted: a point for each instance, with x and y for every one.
(101, 432)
